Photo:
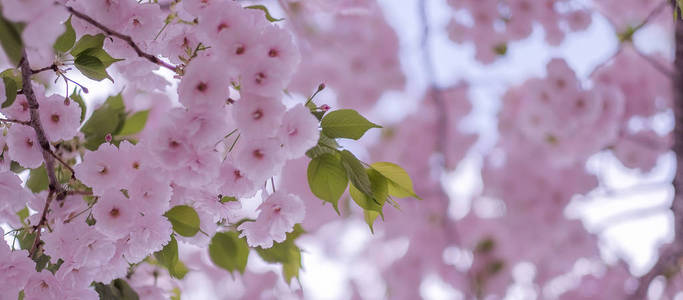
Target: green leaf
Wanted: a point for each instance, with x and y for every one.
(67, 39)
(225, 199)
(134, 123)
(325, 145)
(37, 180)
(346, 123)
(184, 219)
(370, 217)
(285, 253)
(10, 40)
(228, 251)
(108, 118)
(13, 73)
(26, 239)
(168, 257)
(118, 289)
(53, 268)
(327, 178)
(380, 192)
(86, 42)
(102, 55)
(41, 262)
(400, 184)
(92, 67)
(176, 294)
(265, 10)
(23, 214)
(355, 172)
(76, 97)
(10, 91)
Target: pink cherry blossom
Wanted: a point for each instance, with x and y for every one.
(278, 215)
(101, 169)
(205, 84)
(298, 132)
(115, 214)
(59, 118)
(23, 146)
(259, 158)
(258, 116)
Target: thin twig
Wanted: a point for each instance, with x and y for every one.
(52, 67)
(79, 192)
(670, 255)
(41, 223)
(121, 36)
(657, 65)
(59, 159)
(27, 123)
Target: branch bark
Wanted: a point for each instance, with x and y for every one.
(670, 262)
(55, 189)
(126, 38)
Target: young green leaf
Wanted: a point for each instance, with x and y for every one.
(346, 123)
(380, 192)
(86, 42)
(355, 172)
(327, 178)
(37, 179)
(400, 184)
(102, 55)
(285, 253)
(108, 118)
(118, 289)
(67, 39)
(134, 123)
(168, 257)
(325, 145)
(370, 217)
(78, 99)
(228, 251)
(10, 91)
(10, 40)
(184, 219)
(226, 199)
(265, 10)
(92, 67)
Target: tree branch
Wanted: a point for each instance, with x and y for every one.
(126, 38)
(15, 121)
(55, 189)
(670, 256)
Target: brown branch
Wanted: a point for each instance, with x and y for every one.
(16, 121)
(79, 192)
(656, 64)
(55, 189)
(52, 67)
(121, 36)
(670, 255)
(73, 173)
(41, 223)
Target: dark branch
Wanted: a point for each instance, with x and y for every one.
(55, 189)
(127, 39)
(27, 123)
(670, 255)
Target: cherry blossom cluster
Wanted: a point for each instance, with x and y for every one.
(491, 24)
(230, 133)
(351, 46)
